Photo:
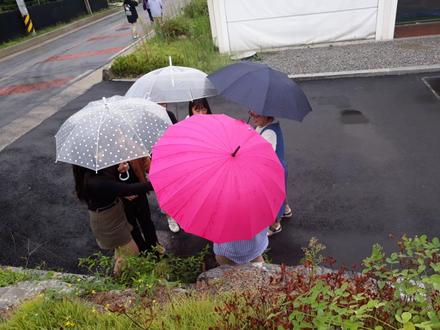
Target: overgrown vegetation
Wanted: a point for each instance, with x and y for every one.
(400, 291)
(10, 277)
(186, 38)
(142, 273)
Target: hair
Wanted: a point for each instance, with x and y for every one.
(202, 101)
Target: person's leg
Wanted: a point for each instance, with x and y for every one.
(150, 16)
(128, 250)
(146, 224)
(221, 260)
(131, 215)
(134, 30)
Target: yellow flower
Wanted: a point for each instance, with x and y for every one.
(93, 292)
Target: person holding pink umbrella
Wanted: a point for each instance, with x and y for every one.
(220, 180)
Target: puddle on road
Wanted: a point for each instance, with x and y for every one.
(352, 116)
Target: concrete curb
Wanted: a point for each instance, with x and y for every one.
(41, 40)
(366, 73)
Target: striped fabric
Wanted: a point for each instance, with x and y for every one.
(242, 252)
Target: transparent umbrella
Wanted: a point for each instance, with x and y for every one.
(172, 84)
(110, 131)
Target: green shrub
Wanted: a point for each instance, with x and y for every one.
(197, 50)
(9, 277)
(142, 273)
(196, 8)
(173, 28)
(147, 58)
(397, 292)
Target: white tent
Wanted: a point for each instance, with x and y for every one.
(244, 25)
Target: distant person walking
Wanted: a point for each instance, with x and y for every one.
(147, 8)
(132, 15)
(156, 8)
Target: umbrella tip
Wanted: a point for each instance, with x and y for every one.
(169, 59)
(235, 152)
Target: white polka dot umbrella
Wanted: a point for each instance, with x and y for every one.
(107, 132)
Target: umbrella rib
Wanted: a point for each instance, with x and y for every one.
(97, 138)
(137, 135)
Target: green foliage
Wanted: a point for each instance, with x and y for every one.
(396, 292)
(147, 58)
(10, 277)
(196, 8)
(142, 273)
(64, 313)
(173, 28)
(187, 39)
(188, 313)
(312, 253)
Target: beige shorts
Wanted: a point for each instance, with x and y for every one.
(110, 227)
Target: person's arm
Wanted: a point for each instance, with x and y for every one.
(271, 137)
(101, 185)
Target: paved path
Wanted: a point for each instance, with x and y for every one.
(369, 57)
(355, 178)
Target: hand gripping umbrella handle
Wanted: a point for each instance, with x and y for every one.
(125, 178)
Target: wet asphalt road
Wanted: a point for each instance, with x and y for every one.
(364, 167)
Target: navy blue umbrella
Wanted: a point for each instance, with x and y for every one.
(261, 89)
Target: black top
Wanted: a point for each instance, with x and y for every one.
(102, 190)
(130, 10)
(172, 117)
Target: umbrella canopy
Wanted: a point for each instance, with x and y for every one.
(261, 89)
(110, 131)
(172, 84)
(217, 178)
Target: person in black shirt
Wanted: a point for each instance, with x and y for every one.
(132, 15)
(136, 207)
(101, 191)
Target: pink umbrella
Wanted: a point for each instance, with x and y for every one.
(217, 178)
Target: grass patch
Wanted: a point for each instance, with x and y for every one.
(141, 273)
(43, 312)
(187, 313)
(186, 38)
(64, 313)
(10, 277)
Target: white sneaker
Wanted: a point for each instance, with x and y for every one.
(174, 227)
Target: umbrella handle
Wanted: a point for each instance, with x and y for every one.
(124, 178)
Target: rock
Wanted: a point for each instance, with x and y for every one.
(12, 296)
(249, 276)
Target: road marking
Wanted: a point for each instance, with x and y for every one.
(67, 57)
(25, 88)
(110, 36)
(20, 126)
